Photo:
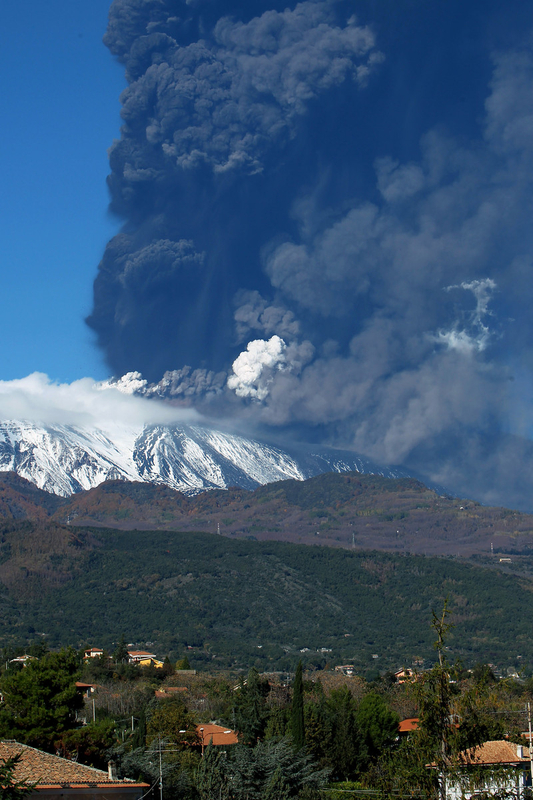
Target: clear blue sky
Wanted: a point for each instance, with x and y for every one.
(60, 113)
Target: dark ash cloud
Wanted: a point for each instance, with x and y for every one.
(327, 225)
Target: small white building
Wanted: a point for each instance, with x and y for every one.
(498, 768)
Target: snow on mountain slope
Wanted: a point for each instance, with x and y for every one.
(65, 459)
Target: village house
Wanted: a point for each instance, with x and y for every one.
(56, 778)
(404, 674)
(93, 652)
(346, 669)
(144, 658)
(407, 726)
(216, 735)
(497, 768)
(23, 660)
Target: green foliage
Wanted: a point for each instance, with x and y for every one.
(170, 720)
(297, 709)
(345, 753)
(378, 725)
(272, 769)
(211, 776)
(199, 589)
(138, 739)
(10, 787)
(89, 744)
(183, 663)
(121, 655)
(250, 710)
(332, 735)
(40, 700)
(177, 768)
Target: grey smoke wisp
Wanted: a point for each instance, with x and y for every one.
(292, 259)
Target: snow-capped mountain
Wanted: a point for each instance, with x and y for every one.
(65, 459)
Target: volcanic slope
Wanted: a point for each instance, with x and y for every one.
(342, 510)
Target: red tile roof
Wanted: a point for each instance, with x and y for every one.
(496, 752)
(44, 769)
(141, 654)
(406, 725)
(216, 734)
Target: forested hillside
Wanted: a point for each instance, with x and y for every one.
(238, 603)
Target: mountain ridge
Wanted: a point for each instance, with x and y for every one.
(66, 459)
(342, 510)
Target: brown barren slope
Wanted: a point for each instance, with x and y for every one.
(341, 510)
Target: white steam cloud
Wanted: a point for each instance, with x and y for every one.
(252, 369)
(85, 402)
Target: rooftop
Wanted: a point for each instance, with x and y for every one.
(496, 752)
(216, 735)
(42, 768)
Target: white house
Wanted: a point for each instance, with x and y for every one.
(493, 767)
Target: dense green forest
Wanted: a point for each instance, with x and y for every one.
(243, 603)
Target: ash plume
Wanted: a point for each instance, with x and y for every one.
(314, 241)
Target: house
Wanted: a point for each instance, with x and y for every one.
(346, 669)
(408, 725)
(404, 674)
(87, 689)
(216, 735)
(23, 660)
(58, 778)
(144, 658)
(93, 652)
(497, 767)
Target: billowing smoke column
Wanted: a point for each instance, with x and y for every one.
(327, 225)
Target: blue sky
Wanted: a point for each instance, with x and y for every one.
(60, 101)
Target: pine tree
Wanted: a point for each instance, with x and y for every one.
(297, 709)
(10, 787)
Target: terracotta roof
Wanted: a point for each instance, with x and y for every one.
(406, 725)
(141, 654)
(45, 769)
(216, 734)
(496, 752)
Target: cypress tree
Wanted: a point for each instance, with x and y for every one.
(297, 709)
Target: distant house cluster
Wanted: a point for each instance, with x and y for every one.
(142, 657)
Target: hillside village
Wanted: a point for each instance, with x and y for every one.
(141, 722)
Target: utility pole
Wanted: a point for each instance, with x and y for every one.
(160, 772)
(530, 742)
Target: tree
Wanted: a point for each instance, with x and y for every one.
(378, 725)
(171, 721)
(89, 744)
(272, 769)
(345, 750)
(250, 708)
(121, 655)
(40, 701)
(10, 787)
(297, 709)
(432, 752)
